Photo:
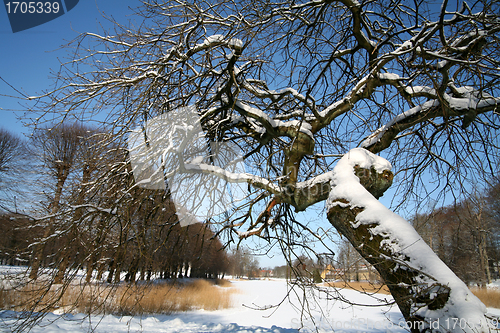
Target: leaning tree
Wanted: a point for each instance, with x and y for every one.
(304, 102)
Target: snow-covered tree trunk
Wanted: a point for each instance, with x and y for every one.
(430, 296)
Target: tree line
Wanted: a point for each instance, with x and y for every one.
(87, 213)
(466, 234)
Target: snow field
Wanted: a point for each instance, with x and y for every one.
(254, 311)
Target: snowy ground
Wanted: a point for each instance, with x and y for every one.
(243, 318)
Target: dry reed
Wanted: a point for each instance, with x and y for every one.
(489, 296)
(366, 287)
(124, 299)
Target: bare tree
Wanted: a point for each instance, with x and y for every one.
(473, 215)
(349, 261)
(455, 234)
(463, 235)
(58, 148)
(242, 263)
(12, 165)
(294, 86)
(93, 155)
(14, 240)
(493, 214)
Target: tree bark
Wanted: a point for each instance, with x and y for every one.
(429, 295)
(484, 262)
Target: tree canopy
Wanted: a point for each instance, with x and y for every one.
(295, 86)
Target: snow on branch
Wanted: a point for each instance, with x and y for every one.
(377, 135)
(214, 40)
(288, 128)
(232, 177)
(459, 101)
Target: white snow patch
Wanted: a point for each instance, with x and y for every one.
(389, 76)
(214, 39)
(420, 89)
(235, 43)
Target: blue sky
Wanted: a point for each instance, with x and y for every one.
(27, 57)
